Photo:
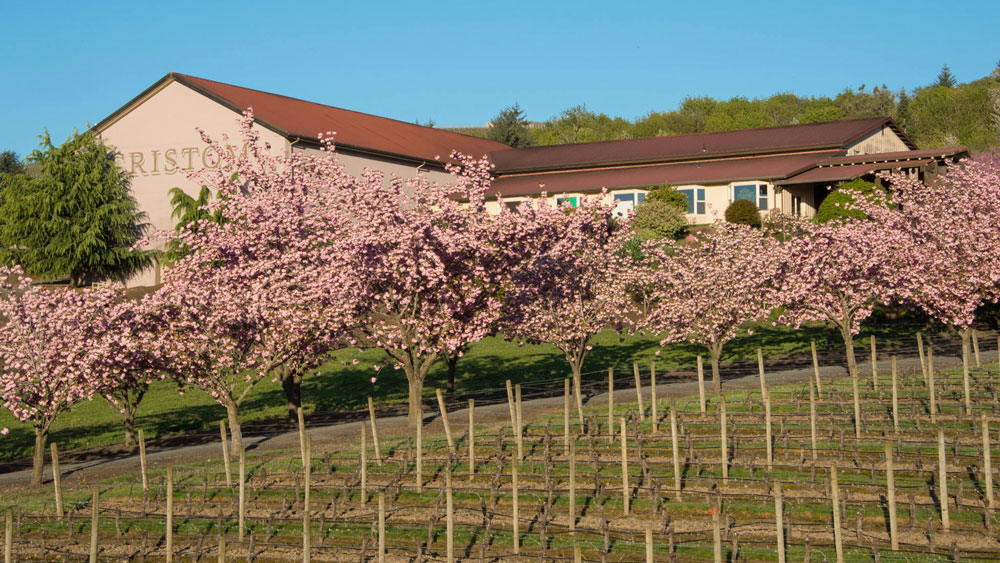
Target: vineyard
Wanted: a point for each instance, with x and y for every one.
(786, 472)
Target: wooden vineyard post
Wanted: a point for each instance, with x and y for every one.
(874, 365)
(649, 543)
(812, 423)
(420, 450)
(222, 548)
(572, 487)
(890, 484)
(520, 422)
(142, 461)
(779, 519)
(716, 535)
(975, 348)
(307, 484)
(611, 405)
(513, 407)
(95, 528)
(381, 527)
(243, 493)
(677, 457)
(857, 404)
(819, 385)
(965, 377)
(638, 392)
(170, 513)
(516, 524)
(225, 453)
(449, 516)
(930, 384)
(923, 359)
(701, 385)
(371, 415)
(835, 501)
(302, 433)
(652, 394)
(942, 491)
(364, 465)
(987, 468)
(566, 393)
(444, 417)
(472, 439)
(895, 397)
(8, 537)
(724, 439)
(56, 477)
(760, 369)
(625, 487)
(767, 429)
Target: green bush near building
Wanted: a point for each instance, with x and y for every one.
(743, 212)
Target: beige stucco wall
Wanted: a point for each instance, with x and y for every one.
(158, 143)
(355, 166)
(717, 199)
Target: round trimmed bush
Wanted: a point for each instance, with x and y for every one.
(743, 212)
(659, 219)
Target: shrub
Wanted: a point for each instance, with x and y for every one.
(743, 212)
(666, 193)
(659, 219)
(837, 204)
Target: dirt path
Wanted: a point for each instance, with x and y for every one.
(85, 472)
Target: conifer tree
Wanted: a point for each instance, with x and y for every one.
(946, 78)
(78, 219)
(510, 128)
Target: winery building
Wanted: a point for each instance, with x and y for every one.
(788, 168)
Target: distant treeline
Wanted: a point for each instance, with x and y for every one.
(943, 113)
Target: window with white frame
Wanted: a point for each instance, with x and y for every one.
(572, 201)
(695, 200)
(756, 193)
(624, 203)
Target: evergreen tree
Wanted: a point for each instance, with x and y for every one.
(77, 219)
(10, 163)
(946, 78)
(510, 128)
(188, 211)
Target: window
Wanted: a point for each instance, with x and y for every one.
(640, 198)
(624, 203)
(695, 200)
(512, 205)
(572, 201)
(757, 193)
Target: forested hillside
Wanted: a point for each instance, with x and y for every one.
(941, 113)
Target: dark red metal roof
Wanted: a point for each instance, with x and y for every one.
(298, 118)
(769, 140)
(712, 171)
(848, 171)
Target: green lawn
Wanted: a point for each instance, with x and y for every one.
(342, 386)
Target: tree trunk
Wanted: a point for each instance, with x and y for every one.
(452, 365)
(416, 398)
(128, 422)
(714, 354)
(576, 367)
(292, 385)
(852, 362)
(236, 435)
(38, 461)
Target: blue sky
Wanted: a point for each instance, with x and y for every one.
(68, 64)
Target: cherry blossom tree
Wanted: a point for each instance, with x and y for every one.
(125, 358)
(704, 289)
(839, 271)
(951, 223)
(574, 279)
(430, 263)
(44, 352)
(264, 292)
